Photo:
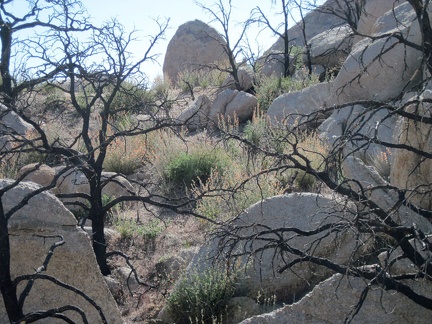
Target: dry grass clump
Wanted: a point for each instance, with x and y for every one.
(126, 154)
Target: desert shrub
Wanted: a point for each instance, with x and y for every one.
(125, 154)
(160, 86)
(131, 229)
(202, 297)
(194, 167)
(133, 99)
(255, 131)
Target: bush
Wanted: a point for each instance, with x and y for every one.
(195, 167)
(202, 297)
(130, 229)
(125, 154)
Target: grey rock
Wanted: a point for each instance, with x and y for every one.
(196, 116)
(73, 263)
(295, 108)
(331, 47)
(332, 301)
(231, 104)
(362, 76)
(194, 45)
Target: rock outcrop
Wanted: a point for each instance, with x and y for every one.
(231, 104)
(303, 211)
(194, 45)
(295, 108)
(333, 300)
(362, 76)
(330, 48)
(73, 182)
(32, 230)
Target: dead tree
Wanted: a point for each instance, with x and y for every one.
(375, 208)
(221, 14)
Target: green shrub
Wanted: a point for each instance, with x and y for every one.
(129, 229)
(125, 154)
(255, 131)
(202, 297)
(194, 167)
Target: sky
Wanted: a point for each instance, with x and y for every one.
(139, 14)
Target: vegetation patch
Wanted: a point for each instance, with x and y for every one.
(202, 297)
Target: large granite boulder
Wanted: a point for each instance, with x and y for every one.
(194, 45)
(330, 48)
(373, 70)
(295, 108)
(333, 301)
(73, 181)
(304, 211)
(233, 104)
(73, 263)
(196, 116)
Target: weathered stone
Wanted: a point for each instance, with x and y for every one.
(303, 211)
(196, 116)
(245, 81)
(231, 104)
(333, 300)
(43, 174)
(194, 45)
(72, 263)
(362, 76)
(330, 48)
(294, 108)
(273, 65)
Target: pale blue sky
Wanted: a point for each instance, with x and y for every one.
(139, 15)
